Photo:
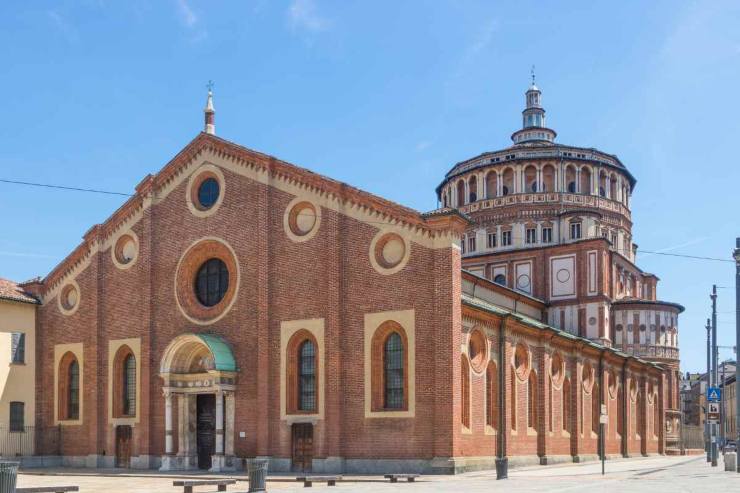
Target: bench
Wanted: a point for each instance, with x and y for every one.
(395, 477)
(309, 480)
(189, 484)
(47, 489)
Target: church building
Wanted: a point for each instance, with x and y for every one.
(240, 306)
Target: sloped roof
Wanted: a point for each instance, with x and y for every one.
(10, 290)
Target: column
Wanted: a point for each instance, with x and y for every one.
(219, 422)
(229, 425)
(168, 442)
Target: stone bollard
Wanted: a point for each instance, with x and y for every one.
(257, 471)
(730, 461)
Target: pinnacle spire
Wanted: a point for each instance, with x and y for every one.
(210, 112)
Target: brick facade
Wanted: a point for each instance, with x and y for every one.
(276, 278)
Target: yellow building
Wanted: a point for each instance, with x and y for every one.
(17, 370)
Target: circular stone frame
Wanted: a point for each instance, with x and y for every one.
(377, 247)
(201, 174)
(187, 268)
(64, 307)
(477, 351)
(292, 224)
(116, 250)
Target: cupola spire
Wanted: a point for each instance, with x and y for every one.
(533, 118)
(210, 112)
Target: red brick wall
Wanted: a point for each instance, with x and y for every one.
(329, 276)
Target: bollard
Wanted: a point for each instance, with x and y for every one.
(8, 475)
(257, 471)
(730, 461)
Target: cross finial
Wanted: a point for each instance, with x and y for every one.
(533, 76)
(209, 86)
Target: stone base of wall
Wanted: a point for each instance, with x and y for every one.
(329, 465)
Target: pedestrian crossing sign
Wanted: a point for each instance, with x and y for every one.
(713, 394)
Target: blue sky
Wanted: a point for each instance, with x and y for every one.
(383, 95)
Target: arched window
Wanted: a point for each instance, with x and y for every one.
(69, 387)
(393, 371)
(460, 193)
(585, 181)
(656, 415)
(129, 385)
(500, 279)
(532, 401)
(570, 179)
(73, 391)
(473, 189)
(530, 179)
(302, 373)
(465, 381)
(491, 185)
(491, 396)
(508, 181)
(514, 402)
(548, 179)
(124, 383)
(613, 186)
(639, 415)
(566, 416)
(595, 407)
(389, 368)
(307, 376)
(620, 409)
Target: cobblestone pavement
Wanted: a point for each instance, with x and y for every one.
(653, 475)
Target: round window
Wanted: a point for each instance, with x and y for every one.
(208, 192)
(211, 282)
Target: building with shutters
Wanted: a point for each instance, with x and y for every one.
(17, 370)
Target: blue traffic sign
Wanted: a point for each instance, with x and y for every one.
(714, 394)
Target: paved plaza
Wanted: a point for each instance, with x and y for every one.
(654, 474)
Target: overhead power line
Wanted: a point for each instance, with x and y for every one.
(108, 192)
(60, 187)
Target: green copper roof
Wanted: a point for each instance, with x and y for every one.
(223, 358)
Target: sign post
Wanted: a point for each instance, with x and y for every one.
(603, 420)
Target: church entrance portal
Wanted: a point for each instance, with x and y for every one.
(206, 429)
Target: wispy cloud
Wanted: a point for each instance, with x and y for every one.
(478, 44)
(423, 145)
(191, 21)
(189, 18)
(303, 14)
(61, 22)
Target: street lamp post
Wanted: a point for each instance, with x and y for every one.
(715, 376)
(707, 426)
(736, 254)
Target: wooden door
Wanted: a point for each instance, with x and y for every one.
(302, 447)
(206, 429)
(123, 446)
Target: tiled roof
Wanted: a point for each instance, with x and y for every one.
(10, 290)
